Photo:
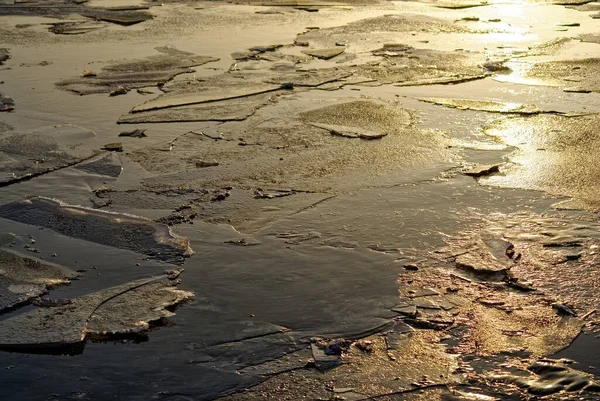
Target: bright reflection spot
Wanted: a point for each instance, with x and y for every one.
(476, 397)
(519, 74)
(512, 9)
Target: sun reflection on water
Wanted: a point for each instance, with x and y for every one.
(519, 74)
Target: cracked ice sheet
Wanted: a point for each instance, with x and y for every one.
(228, 97)
(205, 90)
(27, 154)
(390, 222)
(62, 8)
(505, 354)
(119, 230)
(282, 277)
(385, 27)
(23, 278)
(241, 209)
(427, 67)
(361, 37)
(120, 311)
(365, 373)
(408, 66)
(490, 328)
(236, 94)
(141, 73)
(484, 105)
(276, 153)
(224, 303)
(486, 327)
(71, 184)
(554, 260)
(237, 109)
(225, 97)
(559, 255)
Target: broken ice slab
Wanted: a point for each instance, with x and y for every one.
(226, 97)
(276, 193)
(350, 116)
(135, 311)
(482, 252)
(124, 311)
(75, 27)
(27, 154)
(323, 361)
(325, 54)
(237, 109)
(191, 98)
(350, 132)
(457, 5)
(398, 337)
(406, 309)
(108, 164)
(288, 362)
(411, 67)
(119, 17)
(4, 55)
(146, 72)
(483, 105)
(136, 133)
(23, 278)
(309, 78)
(577, 90)
(485, 254)
(6, 103)
(114, 147)
(481, 170)
(118, 230)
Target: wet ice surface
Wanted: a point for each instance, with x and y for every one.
(552, 156)
(25, 278)
(356, 182)
(153, 71)
(112, 229)
(63, 327)
(28, 154)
